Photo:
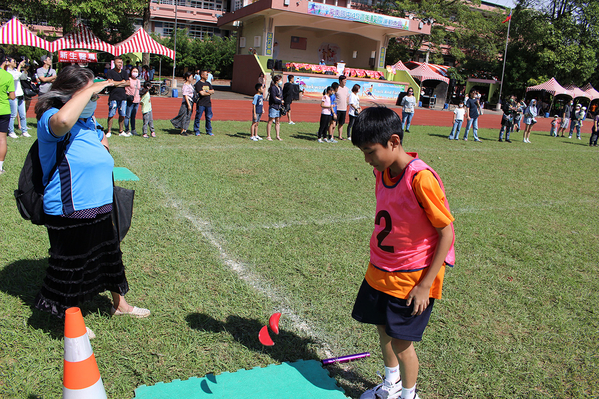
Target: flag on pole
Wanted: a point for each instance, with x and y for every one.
(508, 18)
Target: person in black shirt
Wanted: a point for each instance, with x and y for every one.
(117, 99)
(289, 90)
(205, 91)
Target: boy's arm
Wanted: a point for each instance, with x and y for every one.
(421, 292)
(429, 194)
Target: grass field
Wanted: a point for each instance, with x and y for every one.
(227, 231)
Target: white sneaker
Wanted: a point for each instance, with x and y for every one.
(253, 138)
(258, 137)
(12, 135)
(108, 134)
(292, 123)
(333, 141)
(384, 390)
(576, 137)
(124, 134)
(326, 140)
(25, 134)
(320, 141)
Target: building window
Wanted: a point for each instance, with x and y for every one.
(200, 31)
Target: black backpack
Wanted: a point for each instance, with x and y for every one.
(30, 192)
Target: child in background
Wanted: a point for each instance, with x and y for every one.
(458, 118)
(257, 109)
(146, 109)
(354, 108)
(326, 109)
(554, 126)
(333, 123)
(410, 246)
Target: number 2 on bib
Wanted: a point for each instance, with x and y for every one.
(383, 234)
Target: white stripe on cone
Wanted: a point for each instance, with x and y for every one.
(96, 391)
(77, 349)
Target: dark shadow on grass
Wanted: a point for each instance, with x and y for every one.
(240, 135)
(24, 278)
(288, 347)
(577, 142)
(445, 136)
(305, 136)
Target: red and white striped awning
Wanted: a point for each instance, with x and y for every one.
(590, 90)
(141, 42)
(14, 32)
(551, 87)
(423, 72)
(82, 38)
(400, 66)
(575, 91)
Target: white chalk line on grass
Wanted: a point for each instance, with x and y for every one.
(244, 272)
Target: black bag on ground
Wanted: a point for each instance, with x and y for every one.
(122, 210)
(30, 191)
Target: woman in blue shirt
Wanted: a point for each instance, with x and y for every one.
(85, 255)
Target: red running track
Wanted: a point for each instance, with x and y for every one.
(165, 108)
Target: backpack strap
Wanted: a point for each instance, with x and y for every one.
(60, 154)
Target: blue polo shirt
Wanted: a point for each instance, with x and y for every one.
(259, 103)
(83, 180)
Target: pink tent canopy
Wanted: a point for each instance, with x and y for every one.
(551, 87)
(590, 90)
(141, 42)
(440, 69)
(577, 92)
(14, 32)
(400, 66)
(82, 38)
(424, 72)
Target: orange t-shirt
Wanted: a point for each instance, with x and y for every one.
(432, 199)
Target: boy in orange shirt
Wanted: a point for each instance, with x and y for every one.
(409, 248)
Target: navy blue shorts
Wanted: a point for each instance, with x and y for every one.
(375, 307)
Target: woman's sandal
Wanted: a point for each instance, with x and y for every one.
(135, 312)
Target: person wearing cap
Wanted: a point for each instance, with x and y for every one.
(579, 115)
(45, 74)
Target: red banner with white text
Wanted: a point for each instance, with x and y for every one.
(80, 57)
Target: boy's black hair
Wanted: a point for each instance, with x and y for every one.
(335, 86)
(257, 86)
(376, 125)
(290, 78)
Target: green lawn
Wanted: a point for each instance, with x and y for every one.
(227, 231)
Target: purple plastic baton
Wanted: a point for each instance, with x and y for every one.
(345, 359)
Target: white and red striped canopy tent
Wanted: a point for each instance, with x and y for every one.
(440, 69)
(14, 32)
(400, 66)
(551, 87)
(424, 72)
(590, 90)
(82, 38)
(575, 92)
(141, 42)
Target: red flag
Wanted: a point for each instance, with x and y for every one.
(508, 18)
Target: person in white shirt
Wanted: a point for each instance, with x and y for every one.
(458, 118)
(17, 106)
(354, 108)
(342, 96)
(409, 104)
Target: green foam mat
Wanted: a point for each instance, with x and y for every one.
(301, 380)
(122, 174)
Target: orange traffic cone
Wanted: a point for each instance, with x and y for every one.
(81, 375)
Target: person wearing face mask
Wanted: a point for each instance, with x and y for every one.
(407, 113)
(529, 119)
(85, 255)
(133, 98)
(510, 109)
(275, 101)
(566, 118)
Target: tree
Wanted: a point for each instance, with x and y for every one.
(110, 20)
